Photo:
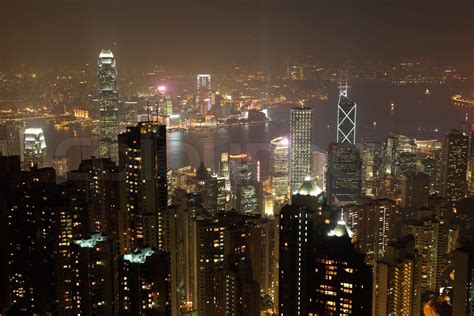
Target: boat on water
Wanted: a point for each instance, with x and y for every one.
(460, 100)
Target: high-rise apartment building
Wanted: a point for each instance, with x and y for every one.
(397, 276)
(373, 223)
(94, 283)
(301, 124)
(341, 281)
(108, 105)
(144, 277)
(146, 194)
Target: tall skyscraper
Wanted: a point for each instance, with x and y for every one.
(145, 165)
(203, 81)
(343, 180)
(35, 148)
(301, 125)
(108, 105)
(346, 118)
(279, 163)
(454, 171)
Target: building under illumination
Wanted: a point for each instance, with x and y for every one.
(108, 105)
(346, 118)
(35, 147)
(301, 124)
(455, 163)
(279, 167)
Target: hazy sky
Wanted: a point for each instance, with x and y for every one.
(215, 34)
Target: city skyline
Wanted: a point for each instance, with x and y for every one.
(210, 161)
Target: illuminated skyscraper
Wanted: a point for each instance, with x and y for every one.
(203, 82)
(108, 104)
(279, 164)
(35, 147)
(301, 123)
(454, 171)
(346, 118)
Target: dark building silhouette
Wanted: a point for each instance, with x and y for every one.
(143, 160)
(145, 283)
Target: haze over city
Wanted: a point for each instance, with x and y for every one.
(183, 158)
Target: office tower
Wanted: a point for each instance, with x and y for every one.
(373, 224)
(415, 191)
(203, 81)
(98, 178)
(60, 165)
(12, 139)
(145, 283)
(301, 226)
(301, 124)
(341, 279)
(35, 148)
(429, 154)
(245, 187)
(463, 290)
(165, 107)
(346, 118)
(454, 171)
(396, 287)
(203, 93)
(222, 244)
(144, 163)
(182, 249)
(211, 188)
(400, 154)
(431, 234)
(108, 105)
(279, 163)
(372, 167)
(320, 163)
(94, 283)
(343, 174)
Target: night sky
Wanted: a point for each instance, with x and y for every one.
(214, 35)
